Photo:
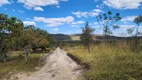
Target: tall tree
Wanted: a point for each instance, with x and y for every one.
(107, 20)
(138, 21)
(87, 36)
(3, 29)
(130, 31)
(9, 28)
(15, 30)
(34, 38)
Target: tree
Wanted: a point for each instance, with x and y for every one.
(87, 36)
(130, 31)
(138, 22)
(14, 36)
(3, 28)
(9, 28)
(35, 38)
(107, 20)
(15, 31)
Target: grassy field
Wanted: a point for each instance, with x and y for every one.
(110, 61)
(18, 64)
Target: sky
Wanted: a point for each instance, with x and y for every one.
(69, 16)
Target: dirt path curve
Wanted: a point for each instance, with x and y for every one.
(58, 67)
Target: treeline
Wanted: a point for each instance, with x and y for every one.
(14, 36)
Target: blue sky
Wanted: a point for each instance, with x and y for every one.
(68, 16)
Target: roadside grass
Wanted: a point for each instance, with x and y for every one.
(17, 64)
(110, 61)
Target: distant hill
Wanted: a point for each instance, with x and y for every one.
(76, 37)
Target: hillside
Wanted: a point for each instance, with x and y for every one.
(76, 37)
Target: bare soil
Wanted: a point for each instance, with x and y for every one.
(58, 66)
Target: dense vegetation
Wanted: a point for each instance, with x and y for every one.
(17, 42)
(15, 36)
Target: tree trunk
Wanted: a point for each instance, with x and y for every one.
(26, 56)
(1, 45)
(1, 48)
(137, 40)
(137, 31)
(89, 48)
(27, 51)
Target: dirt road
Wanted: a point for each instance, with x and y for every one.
(58, 67)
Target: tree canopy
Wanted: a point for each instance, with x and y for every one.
(138, 21)
(108, 21)
(15, 36)
(87, 36)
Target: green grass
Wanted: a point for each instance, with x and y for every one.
(110, 62)
(18, 64)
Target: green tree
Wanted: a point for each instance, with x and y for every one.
(16, 27)
(35, 38)
(130, 31)
(9, 28)
(138, 21)
(107, 20)
(3, 29)
(87, 36)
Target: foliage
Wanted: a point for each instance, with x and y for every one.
(87, 35)
(37, 38)
(130, 31)
(138, 21)
(14, 36)
(107, 20)
(10, 30)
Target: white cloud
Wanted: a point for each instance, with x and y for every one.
(58, 6)
(93, 24)
(28, 19)
(100, 6)
(129, 26)
(97, 10)
(78, 22)
(74, 25)
(3, 2)
(13, 10)
(80, 14)
(128, 18)
(55, 21)
(123, 4)
(63, 0)
(21, 11)
(125, 27)
(29, 4)
(38, 9)
(26, 23)
(92, 13)
(55, 29)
